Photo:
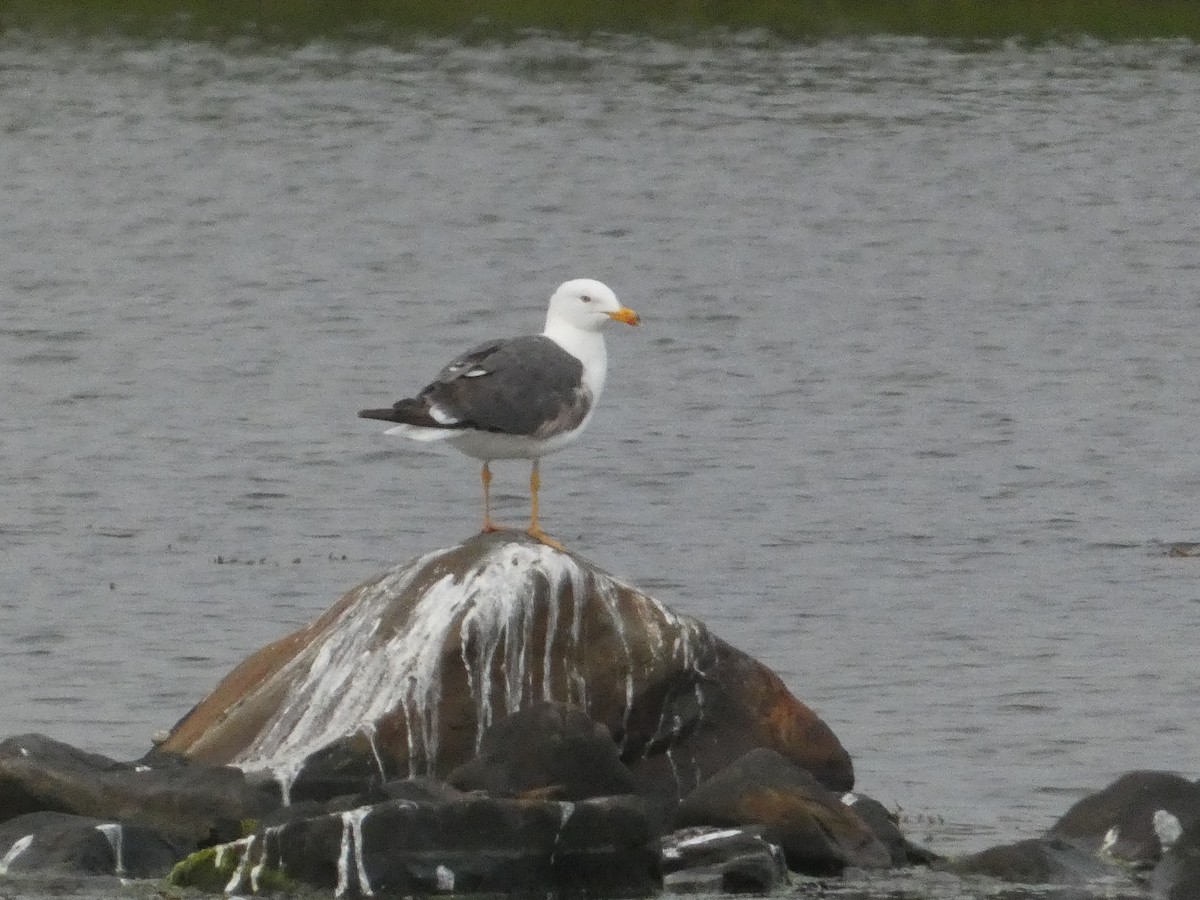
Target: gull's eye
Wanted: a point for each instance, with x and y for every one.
(586, 299)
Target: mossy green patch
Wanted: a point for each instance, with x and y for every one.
(212, 869)
(202, 871)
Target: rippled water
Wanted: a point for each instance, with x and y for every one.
(912, 416)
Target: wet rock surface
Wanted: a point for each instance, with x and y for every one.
(505, 717)
(194, 804)
(406, 673)
(55, 843)
(548, 749)
(1143, 822)
(468, 845)
(1039, 861)
(722, 860)
(1133, 819)
(819, 835)
(1177, 877)
(886, 829)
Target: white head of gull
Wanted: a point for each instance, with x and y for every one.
(519, 398)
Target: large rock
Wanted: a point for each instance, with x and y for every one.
(406, 672)
(193, 805)
(63, 844)
(1124, 821)
(819, 834)
(602, 847)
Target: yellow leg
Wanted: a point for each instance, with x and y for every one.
(488, 524)
(535, 529)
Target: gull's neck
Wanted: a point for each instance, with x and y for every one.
(586, 346)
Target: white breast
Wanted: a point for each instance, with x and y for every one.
(586, 346)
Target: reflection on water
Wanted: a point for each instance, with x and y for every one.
(911, 417)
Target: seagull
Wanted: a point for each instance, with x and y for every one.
(519, 398)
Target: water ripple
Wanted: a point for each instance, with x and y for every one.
(909, 418)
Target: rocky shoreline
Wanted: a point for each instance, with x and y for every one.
(503, 717)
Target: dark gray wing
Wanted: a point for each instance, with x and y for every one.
(523, 386)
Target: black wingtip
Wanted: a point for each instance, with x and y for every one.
(387, 415)
(405, 412)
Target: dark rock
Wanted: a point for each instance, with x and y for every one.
(1043, 861)
(722, 860)
(305, 809)
(191, 804)
(421, 789)
(709, 718)
(60, 843)
(1119, 821)
(1177, 877)
(885, 827)
(345, 766)
(818, 833)
(477, 844)
(405, 674)
(550, 749)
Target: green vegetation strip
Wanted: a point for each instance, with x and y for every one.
(293, 21)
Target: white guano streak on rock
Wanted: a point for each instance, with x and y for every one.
(566, 810)
(576, 682)
(343, 866)
(116, 839)
(491, 623)
(270, 835)
(352, 847)
(570, 577)
(1110, 839)
(352, 675)
(246, 845)
(670, 754)
(548, 650)
(412, 732)
(1167, 828)
(473, 688)
(357, 816)
(516, 646)
(19, 846)
(286, 774)
(607, 593)
(368, 728)
(701, 839)
(500, 619)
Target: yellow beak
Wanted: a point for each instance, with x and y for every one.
(626, 315)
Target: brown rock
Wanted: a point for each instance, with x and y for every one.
(405, 674)
(819, 834)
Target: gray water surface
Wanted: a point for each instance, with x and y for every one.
(912, 415)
